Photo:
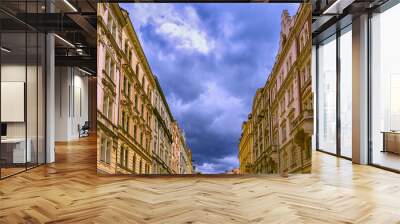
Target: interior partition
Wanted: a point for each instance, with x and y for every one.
(327, 95)
(385, 89)
(22, 89)
(22, 101)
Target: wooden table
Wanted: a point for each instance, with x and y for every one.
(391, 141)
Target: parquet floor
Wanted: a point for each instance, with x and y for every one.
(69, 191)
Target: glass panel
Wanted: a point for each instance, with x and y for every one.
(13, 87)
(327, 95)
(346, 92)
(22, 87)
(31, 98)
(41, 99)
(385, 89)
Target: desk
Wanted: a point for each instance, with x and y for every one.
(391, 141)
(13, 150)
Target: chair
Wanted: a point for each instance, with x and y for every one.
(84, 130)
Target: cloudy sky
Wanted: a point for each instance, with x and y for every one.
(210, 59)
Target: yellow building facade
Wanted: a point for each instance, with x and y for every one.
(246, 147)
(282, 112)
(134, 120)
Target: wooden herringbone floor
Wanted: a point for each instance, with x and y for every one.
(70, 191)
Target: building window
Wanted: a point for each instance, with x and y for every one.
(127, 124)
(105, 153)
(129, 89)
(110, 109)
(110, 21)
(285, 161)
(107, 64)
(283, 104)
(294, 158)
(137, 69)
(123, 120)
(114, 31)
(107, 107)
(136, 101)
(120, 38)
(284, 131)
(130, 57)
(123, 157)
(124, 84)
(134, 163)
(126, 157)
(112, 70)
(327, 95)
(109, 67)
(301, 41)
(287, 67)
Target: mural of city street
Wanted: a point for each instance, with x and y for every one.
(204, 88)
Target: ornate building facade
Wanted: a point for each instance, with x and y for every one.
(134, 120)
(177, 143)
(181, 154)
(282, 112)
(246, 147)
(186, 165)
(162, 132)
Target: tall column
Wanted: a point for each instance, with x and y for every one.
(314, 90)
(50, 92)
(50, 99)
(360, 90)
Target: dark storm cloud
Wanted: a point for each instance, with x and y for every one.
(210, 59)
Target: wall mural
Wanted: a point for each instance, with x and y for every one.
(204, 88)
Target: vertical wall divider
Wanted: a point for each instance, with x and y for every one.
(73, 91)
(316, 97)
(37, 90)
(369, 103)
(45, 93)
(0, 95)
(44, 79)
(26, 86)
(338, 76)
